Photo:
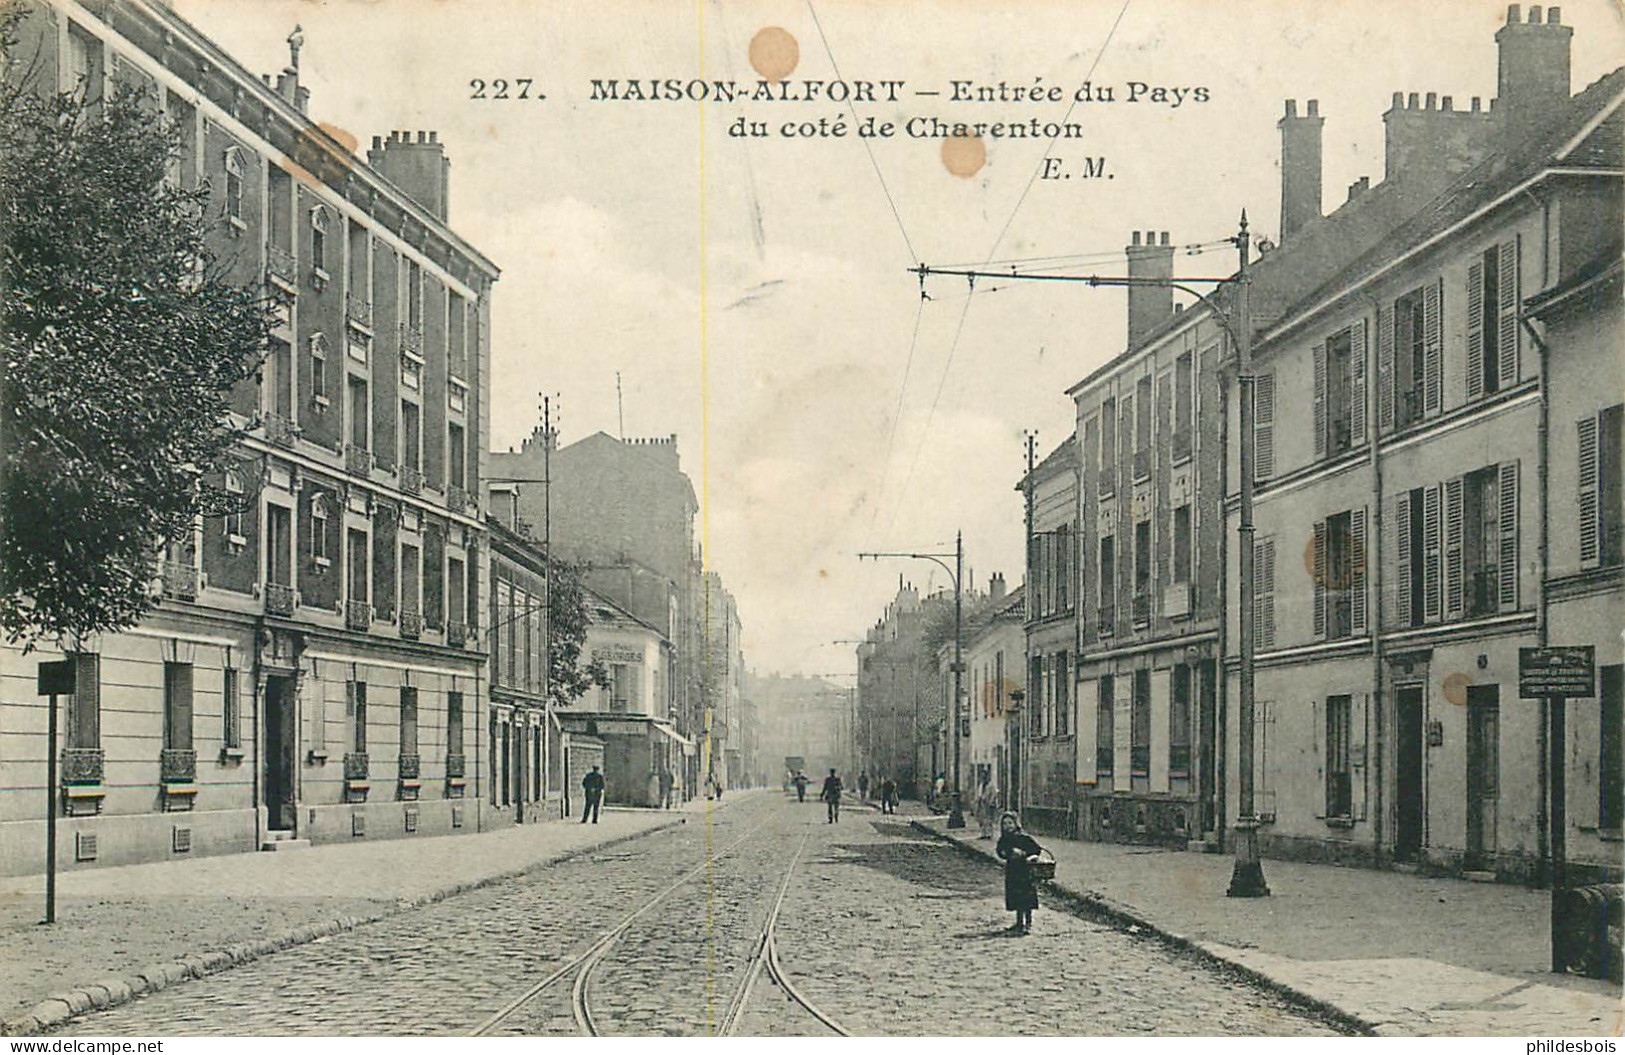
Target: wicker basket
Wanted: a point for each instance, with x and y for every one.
(1044, 867)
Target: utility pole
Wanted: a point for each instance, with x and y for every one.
(1031, 441)
(1247, 877)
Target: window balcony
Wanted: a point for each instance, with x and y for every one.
(411, 479)
(1142, 465)
(411, 624)
(1176, 600)
(412, 339)
(177, 765)
(355, 765)
(1142, 608)
(358, 312)
(410, 765)
(279, 599)
(456, 633)
(83, 765)
(357, 615)
(281, 268)
(279, 429)
(1107, 621)
(457, 498)
(357, 460)
(179, 580)
(1339, 437)
(456, 766)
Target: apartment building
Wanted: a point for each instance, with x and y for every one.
(313, 670)
(1050, 715)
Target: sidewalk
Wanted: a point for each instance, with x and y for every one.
(126, 930)
(1403, 955)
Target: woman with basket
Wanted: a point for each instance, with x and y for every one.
(1024, 860)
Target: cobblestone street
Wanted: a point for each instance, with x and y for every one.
(886, 931)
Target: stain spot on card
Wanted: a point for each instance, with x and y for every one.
(964, 156)
(774, 53)
(1455, 688)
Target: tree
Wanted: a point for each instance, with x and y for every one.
(568, 678)
(121, 340)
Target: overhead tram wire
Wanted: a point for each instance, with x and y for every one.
(897, 414)
(925, 433)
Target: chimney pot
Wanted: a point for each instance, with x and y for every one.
(1534, 14)
(1399, 101)
(1512, 13)
(1476, 103)
(1165, 238)
(1412, 102)
(1292, 108)
(1136, 237)
(378, 142)
(1314, 107)
(1446, 103)
(434, 137)
(1554, 16)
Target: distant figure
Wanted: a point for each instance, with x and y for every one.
(888, 795)
(832, 797)
(937, 788)
(987, 798)
(592, 790)
(667, 781)
(1018, 850)
(801, 783)
(863, 787)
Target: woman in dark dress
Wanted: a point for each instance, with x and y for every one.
(1018, 850)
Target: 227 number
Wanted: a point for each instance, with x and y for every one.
(518, 88)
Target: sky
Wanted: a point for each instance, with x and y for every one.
(753, 295)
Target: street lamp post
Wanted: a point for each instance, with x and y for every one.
(956, 813)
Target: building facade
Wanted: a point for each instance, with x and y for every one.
(1049, 750)
(313, 671)
(995, 650)
(523, 738)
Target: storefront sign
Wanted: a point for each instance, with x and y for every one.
(1569, 671)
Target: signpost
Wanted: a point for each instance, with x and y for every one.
(1556, 674)
(55, 679)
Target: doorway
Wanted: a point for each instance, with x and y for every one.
(1408, 790)
(281, 745)
(1483, 772)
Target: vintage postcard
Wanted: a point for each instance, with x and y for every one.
(811, 518)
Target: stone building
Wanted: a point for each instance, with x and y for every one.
(523, 737)
(313, 671)
(995, 649)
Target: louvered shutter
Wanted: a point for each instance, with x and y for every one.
(1263, 426)
(85, 708)
(1320, 578)
(1357, 375)
(1452, 546)
(1320, 400)
(1507, 300)
(1589, 506)
(1402, 560)
(1475, 331)
(1431, 556)
(1318, 749)
(1507, 525)
(1359, 738)
(1385, 368)
(1264, 594)
(1432, 346)
(1357, 558)
(179, 732)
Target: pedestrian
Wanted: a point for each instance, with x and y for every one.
(592, 792)
(888, 795)
(832, 797)
(863, 787)
(986, 807)
(666, 782)
(801, 783)
(1018, 850)
(937, 788)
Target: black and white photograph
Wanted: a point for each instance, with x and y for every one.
(812, 518)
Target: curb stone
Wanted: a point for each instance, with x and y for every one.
(1128, 919)
(60, 1008)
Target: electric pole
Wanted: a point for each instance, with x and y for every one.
(1031, 442)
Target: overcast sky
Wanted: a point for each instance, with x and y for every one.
(753, 293)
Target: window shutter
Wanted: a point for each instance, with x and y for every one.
(1507, 346)
(1385, 367)
(1320, 400)
(1263, 426)
(1507, 524)
(1357, 374)
(1475, 331)
(1432, 345)
(86, 724)
(1357, 559)
(1319, 749)
(1264, 594)
(1452, 546)
(1320, 578)
(179, 733)
(1430, 543)
(1589, 508)
(1359, 738)
(1402, 562)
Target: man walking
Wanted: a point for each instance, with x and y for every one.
(863, 787)
(832, 797)
(592, 795)
(666, 781)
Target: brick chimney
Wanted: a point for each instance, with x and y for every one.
(420, 168)
(1300, 166)
(995, 587)
(1149, 306)
(1431, 132)
(1533, 69)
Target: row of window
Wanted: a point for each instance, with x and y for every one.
(1182, 679)
(83, 725)
(1126, 425)
(1049, 695)
(1170, 562)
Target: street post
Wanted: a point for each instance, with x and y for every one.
(56, 678)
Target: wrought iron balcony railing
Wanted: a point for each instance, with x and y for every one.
(357, 615)
(456, 766)
(358, 311)
(411, 624)
(456, 498)
(179, 580)
(177, 765)
(1142, 609)
(355, 765)
(83, 765)
(357, 460)
(1106, 622)
(279, 429)
(411, 479)
(412, 339)
(279, 599)
(456, 633)
(281, 266)
(410, 766)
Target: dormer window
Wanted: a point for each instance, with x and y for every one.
(234, 187)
